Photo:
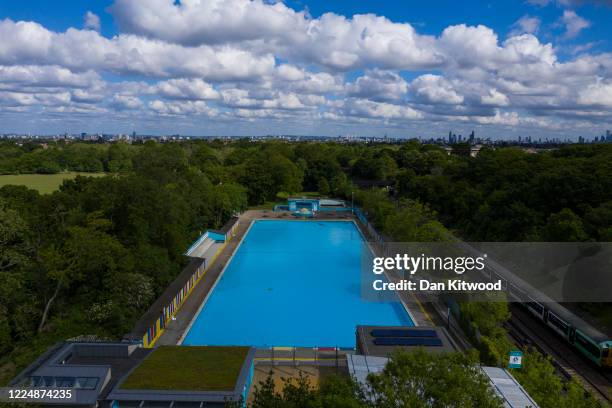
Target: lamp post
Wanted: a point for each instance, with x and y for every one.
(353, 202)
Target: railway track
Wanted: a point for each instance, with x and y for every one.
(526, 330)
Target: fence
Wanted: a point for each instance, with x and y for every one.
(294, 356)
(371, 230)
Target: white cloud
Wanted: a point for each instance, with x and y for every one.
(126, 102)
(379, 110)
(46, 76)
(181, 108)
(379, 85)
(495, 98)
(183, 88)
(526, 25)
(92, 21)
(26, 42)
(331, 40)
(194, 22)
(599, 94)
(435, 89)
(573, 24)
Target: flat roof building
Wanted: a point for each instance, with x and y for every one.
(382, 341)
(125, 374)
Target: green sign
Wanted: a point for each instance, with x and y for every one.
(516, 359)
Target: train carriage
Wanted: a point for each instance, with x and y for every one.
(592, 343)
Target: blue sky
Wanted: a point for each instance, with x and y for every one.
(505, 68)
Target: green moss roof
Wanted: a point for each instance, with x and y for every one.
(187, 368)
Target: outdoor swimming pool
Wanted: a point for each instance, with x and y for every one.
(292, 283)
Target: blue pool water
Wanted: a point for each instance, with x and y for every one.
(292, 283)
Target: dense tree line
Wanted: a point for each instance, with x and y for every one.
(91, 257)
(510, 195)
(504, 194)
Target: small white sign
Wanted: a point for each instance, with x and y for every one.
(516, 359)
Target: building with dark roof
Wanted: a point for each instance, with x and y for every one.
(382, 341)
(89, 369)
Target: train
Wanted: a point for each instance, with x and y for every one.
(587, 340)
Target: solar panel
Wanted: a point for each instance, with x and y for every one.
(408, 341)
(403, 333)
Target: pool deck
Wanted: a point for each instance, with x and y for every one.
(177, 328)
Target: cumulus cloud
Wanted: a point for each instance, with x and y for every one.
(181, 108)
(182, 88)
(331, 40)
(194, 22)
(436, 90)
(599, 94)
(126, 102)
(379, 110)
(46, 76)
(29, 42)
(379, 85)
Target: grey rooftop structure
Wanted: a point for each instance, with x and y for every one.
(382, 341)
(506, 386)
(90, 369)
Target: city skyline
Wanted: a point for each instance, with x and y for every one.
(539, 68)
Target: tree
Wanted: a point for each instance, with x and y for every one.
(564, 226)
(13, 239)
(88, 254)
(422, 379)
(119, 158)
(538, 377)
(256, 177)
(333, 392)
(286, 175)
(323, 186)
(341, 392)
(414, 222)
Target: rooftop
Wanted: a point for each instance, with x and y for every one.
(384, 340)
(188, 368)
(506, 386)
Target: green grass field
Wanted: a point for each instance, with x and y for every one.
(44, 183)
(193, 368)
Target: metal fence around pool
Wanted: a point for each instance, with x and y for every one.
(295, 356)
